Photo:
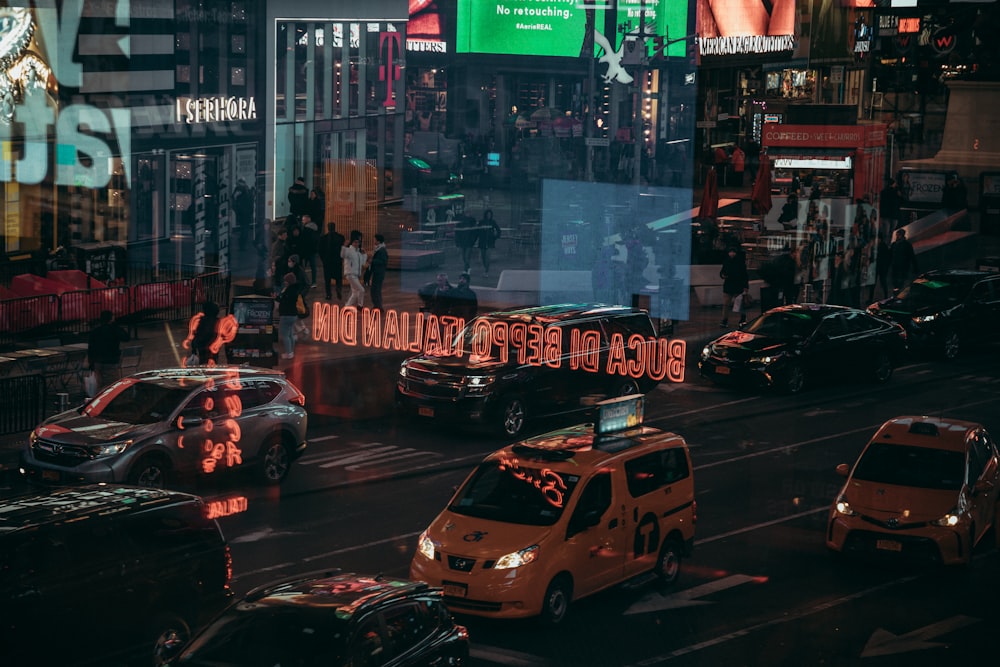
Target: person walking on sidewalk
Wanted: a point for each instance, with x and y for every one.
(354, 265)
(902, 259)
(489, 232)
(378, 267)
(735, 282)
(288, 314)
(330, 245)
(309, 246)
(104, 351)
(298, 197)
(465, 239)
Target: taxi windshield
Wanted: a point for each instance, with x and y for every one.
(510, 491)
(918, 467)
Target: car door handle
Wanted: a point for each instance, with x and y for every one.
(613, 523)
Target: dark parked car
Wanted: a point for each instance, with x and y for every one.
(332, 619)
(944, 310)
(151, 427)
(789, 346)
(500, 382)
(106, 575)
(425, 177)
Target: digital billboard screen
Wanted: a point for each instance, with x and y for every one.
(558, 27)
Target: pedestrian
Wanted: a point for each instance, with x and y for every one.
(317, 207)
(302, 284)
(466, 232)
(330, 245)
(735, 282)
(354, 264)
(889, 201)
(489, 232)
(435, 295)
(309, 245)
(902, 260)
(279, 258)
(288, 314)
(206, 333)
(298, 197)
(104, 350)
(378, 267)
(462, 301)
(738, 160)
(883, 257)
(243, 206)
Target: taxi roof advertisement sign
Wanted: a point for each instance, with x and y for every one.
(559, 27)
(619, 414)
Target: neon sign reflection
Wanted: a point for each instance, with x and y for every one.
(528, 344)
(548, 482)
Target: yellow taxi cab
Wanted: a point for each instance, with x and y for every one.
(563, 515)
(923, 488)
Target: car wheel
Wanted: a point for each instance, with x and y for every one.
(882, 368)
(951, 344)
(275, 460)
(168, 632)
(149, 471)
(794, 380)
(513, 415)
(555, 604)
(668, 564)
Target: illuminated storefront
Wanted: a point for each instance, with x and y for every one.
(337, 90)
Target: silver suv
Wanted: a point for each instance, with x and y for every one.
(151, 427)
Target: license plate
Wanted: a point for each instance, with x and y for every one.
(722, 370)
(425, 411)
(455, 590)
(888, 545)
(50, 475)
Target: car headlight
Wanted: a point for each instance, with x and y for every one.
(706, 352)
(425, 546)
(109, 449)
(479, 383)
(765, 359)
(517, 559)
(921, 319)
(402, 371)
(843, 507)
(948, 520)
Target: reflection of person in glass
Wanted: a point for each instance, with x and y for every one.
(726, 18)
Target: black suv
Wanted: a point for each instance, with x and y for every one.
(332, 618)
(106, 575)
(942, 310)
(507, 366)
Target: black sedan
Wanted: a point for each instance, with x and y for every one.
(944, 310)
(330, 618)
(789, 346)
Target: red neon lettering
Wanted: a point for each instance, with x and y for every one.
(616, 355)
(180, 442)
(390, 336)
(452, 325)
(678, 350)
(234, 456)
(371, 327)
(209, 403)
(518, 332)
(234, 406)
(418, 329)
(432, 335)
(547, 481)
(499, 332)
(533, 344)
(225, 333)
(640, 350)
(656, 361)
(587, 350)
(349, 326)
(321, 321)
(552, 349)
(481, 341)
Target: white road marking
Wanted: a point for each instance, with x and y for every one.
(324, 438)
(686, 598)
(758, 526)
(506, 656)
(708, 407)
(883, 642)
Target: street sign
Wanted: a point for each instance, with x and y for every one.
(597, 141)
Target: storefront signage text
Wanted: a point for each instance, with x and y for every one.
(504, 342)
(193, 110)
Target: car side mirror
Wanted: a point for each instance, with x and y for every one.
(843, 469)
(189, 421)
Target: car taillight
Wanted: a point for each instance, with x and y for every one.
(298, 399)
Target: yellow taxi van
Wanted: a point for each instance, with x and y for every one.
(563, 515)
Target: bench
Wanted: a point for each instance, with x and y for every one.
(707, 284)
(414, 260)
(520, 287)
